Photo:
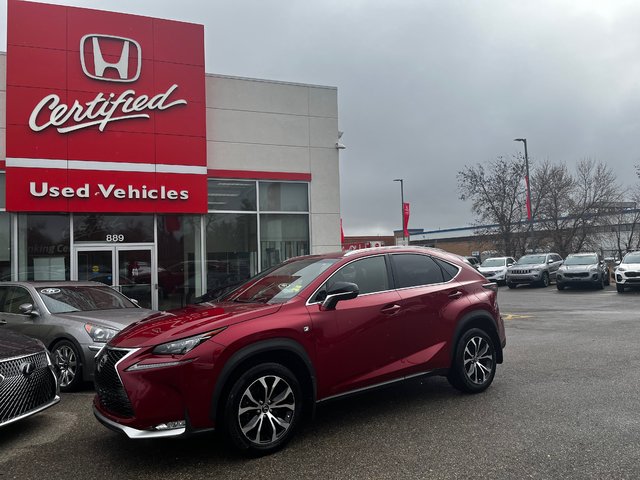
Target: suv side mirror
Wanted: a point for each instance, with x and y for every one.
(27, 309)
(339, 291)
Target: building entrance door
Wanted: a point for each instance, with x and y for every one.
(129, 269)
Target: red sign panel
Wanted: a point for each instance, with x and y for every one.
(105, 112)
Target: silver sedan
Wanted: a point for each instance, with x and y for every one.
(73, 319)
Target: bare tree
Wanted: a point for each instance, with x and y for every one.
(575, 204)
(497, 198)
(625, 225)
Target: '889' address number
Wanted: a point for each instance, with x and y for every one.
(115, 238)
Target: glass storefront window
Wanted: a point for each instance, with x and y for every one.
(232, 248)
(284, 197)
(101, 227)
(282, 237)
(43, 247)
(232, 195)
(179, 264)
(5, 246)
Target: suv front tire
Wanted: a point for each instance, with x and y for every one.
(263, 409)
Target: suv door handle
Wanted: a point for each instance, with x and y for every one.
(391, 310)
(455, 294)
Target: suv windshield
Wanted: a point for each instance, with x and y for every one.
(281, 283)
(632, 258)
(494, 262)
(532, 260)
(82, 299)
(581, 260)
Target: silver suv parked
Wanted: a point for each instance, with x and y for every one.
(535, 269)
(583, 269)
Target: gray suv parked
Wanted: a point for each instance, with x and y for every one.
(583, 269)
(536, 269)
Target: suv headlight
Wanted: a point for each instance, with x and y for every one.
(185, 345)
(621, 269)
(100, 334)
(593, 269)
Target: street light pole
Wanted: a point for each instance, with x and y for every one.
(401, 207)
(526, 179)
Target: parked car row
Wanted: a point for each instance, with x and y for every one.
(576, 270)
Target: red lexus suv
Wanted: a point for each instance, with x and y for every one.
(256, 361)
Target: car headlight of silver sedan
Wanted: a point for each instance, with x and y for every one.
(100, 334)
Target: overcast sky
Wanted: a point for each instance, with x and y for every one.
(426, 87)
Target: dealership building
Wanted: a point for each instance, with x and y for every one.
(124, 162)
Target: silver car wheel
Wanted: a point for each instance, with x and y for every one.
(67, 362)
(266, 410)
(478, 360)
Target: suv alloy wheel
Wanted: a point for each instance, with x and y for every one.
(474, 362)
(263, 408)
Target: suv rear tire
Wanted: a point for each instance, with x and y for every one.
(474, 362)
(263, 409)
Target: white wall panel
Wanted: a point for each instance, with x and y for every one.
(323, 102)
(3, 71)
(255, 127)
(269, 158)
(3, 109)
(325, 232)
(256, 95)
(323, 132)
(325, 185)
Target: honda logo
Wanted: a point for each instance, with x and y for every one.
(129, 51)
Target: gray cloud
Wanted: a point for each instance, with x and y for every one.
(426, 87)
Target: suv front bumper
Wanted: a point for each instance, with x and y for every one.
(575, 279)
(524, 277)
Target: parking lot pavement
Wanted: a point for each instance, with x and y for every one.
(563, 405)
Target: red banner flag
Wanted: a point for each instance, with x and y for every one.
(341, 233)
(405, 219)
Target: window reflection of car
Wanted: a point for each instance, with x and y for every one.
(73, 319)
(181, 276)
(28, 383)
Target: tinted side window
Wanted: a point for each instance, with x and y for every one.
(15, 297)
(413, 270)
(370, 274)
(448, 271)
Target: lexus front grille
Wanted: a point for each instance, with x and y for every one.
(111, 392)
(25, 389)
